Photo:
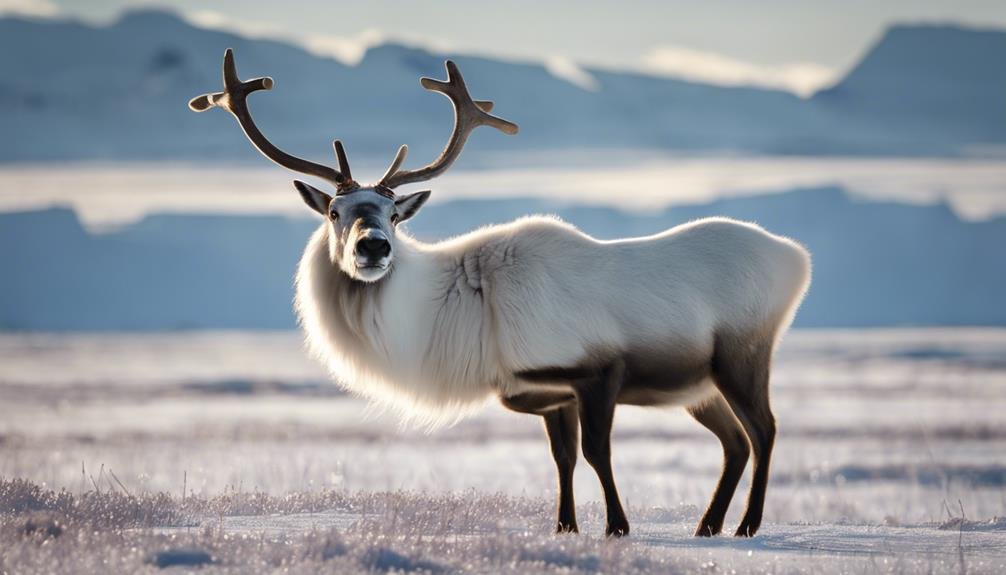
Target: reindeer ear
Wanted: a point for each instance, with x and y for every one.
(315, 199)
(407, 206)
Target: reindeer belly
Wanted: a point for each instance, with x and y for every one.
(667, 377)
(657, 376)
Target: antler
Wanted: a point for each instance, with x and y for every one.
(233, 98)
(468, 115)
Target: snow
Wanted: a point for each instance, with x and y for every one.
(888, 460)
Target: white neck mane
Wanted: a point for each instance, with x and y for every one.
(417, 340)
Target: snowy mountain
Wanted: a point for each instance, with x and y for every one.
(118, 92)
(927, 84)
(875, 264)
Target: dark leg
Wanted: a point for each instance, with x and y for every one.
(596, 400)
(742, 376)
(718, 418)
(761, 431)
(560, 415)
(563, 435)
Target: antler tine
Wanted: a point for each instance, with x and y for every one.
(340, 153)
(233, 99)
(468, 115)
(403, 151)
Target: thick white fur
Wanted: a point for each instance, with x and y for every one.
(453, 321)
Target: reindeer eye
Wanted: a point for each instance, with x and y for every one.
(334, 215)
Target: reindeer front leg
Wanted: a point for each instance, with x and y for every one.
(596, 401)
(559, 412)
(561, 426)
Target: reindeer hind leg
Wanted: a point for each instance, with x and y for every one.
(717, 417)
(741, 372)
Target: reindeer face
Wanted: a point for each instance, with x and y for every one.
(362, 226)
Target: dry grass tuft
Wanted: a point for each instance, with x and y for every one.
(108, 510)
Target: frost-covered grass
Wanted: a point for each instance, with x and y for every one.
(231, 448)
(100, 532)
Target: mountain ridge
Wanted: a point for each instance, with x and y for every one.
(75, 91)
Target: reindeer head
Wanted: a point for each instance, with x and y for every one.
(362, 219)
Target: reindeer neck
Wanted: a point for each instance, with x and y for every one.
(415, 337)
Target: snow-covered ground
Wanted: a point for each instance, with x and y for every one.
(889, 459)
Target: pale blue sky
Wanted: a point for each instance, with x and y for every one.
(784, 41)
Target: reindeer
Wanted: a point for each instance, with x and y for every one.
(548, 319)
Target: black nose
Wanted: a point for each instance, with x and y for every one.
(373, 248)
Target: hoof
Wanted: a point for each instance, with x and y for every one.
(566, 528)
(746, 530)
(619, 530)
(708, 530)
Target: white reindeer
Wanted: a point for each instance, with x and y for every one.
(549, 320)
